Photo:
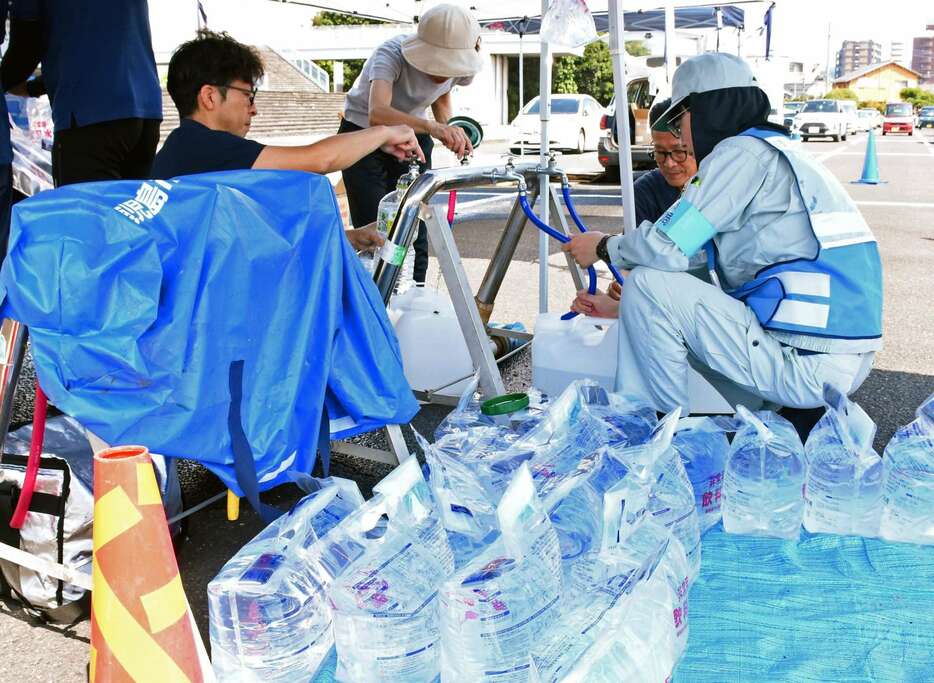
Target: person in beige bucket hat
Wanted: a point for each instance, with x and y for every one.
(447, 43)
(403, 77)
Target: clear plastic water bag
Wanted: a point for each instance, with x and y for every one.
(568, 23)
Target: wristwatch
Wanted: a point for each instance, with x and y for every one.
(602, 253)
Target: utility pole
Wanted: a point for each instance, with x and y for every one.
(828, 71)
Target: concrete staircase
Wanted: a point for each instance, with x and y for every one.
(280, 114)
(289, 105)
(282, 75)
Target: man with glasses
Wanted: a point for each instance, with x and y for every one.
(795, 298)
(212, 83)
(654, 192)
(658, 189)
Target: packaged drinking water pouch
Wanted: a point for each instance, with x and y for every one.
(632, 594)
(600, 583)
(493, 609)
(468, 414)
(908, 512)
(843, 489)
(628, 421)
(671, 499)
(567, 433)
(385, 597)
(467, 508)
(568, 22)
(703, 446)
(270, 619)
(764, 476)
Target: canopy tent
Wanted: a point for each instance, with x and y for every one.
(640, 20)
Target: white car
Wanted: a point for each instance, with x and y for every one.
(574, 125)
(870, 118)
(822, 118)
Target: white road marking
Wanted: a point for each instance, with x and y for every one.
(928, 144)
(837, 151)
(889, 154)
(911, 205)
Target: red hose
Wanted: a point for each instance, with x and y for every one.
(452, 202)
(32, 465)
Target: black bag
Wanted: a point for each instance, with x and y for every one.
(58, 529)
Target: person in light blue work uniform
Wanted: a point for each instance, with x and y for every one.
(795, 292)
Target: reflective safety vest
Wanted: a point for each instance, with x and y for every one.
(836, 294)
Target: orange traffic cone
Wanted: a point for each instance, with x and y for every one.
(141, 624)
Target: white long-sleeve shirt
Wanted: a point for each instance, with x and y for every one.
(748, 192)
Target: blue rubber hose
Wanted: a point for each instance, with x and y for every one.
(564, 239)
(712, 262)
(566, 193)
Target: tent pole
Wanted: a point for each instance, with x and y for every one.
(521, 91)
(544, 113)
(671, 57)
(618, 55)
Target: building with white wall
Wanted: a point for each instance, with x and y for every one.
(288, 29)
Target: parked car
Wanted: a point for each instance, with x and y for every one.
(641, 96)
(853, 124)
(822, 118)
(791, 110)
(926, 117)
(899, 118)
(574, 125)
(871, 118)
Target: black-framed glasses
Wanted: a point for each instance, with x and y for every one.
(249, 92)
(674, 121)
(679, 156)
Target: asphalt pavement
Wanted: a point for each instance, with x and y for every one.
(900, 212)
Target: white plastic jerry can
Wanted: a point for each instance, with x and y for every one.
(566, 350)
(585, 347)
(434, 352)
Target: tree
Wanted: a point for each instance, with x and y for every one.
(916, 97)
(637, 48)
(352, 67)
(841, 94)
(341, 19)
(872, 104)
(591, 73)
(564, 76)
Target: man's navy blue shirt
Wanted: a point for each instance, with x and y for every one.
(97, 60)
(194, 148)
(653, 196)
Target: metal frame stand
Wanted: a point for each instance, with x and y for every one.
(397, 453)
(473, 312)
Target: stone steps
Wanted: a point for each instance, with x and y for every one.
(280, 114)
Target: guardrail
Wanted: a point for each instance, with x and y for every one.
(312, 71)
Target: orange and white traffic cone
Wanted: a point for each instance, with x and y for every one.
(141, 624)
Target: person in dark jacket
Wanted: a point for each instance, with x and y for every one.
(100, 74)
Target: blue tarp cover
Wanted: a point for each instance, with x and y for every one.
(824, 608)
(139, 296)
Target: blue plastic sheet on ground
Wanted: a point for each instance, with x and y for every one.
(139, 295)
(825, 608)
